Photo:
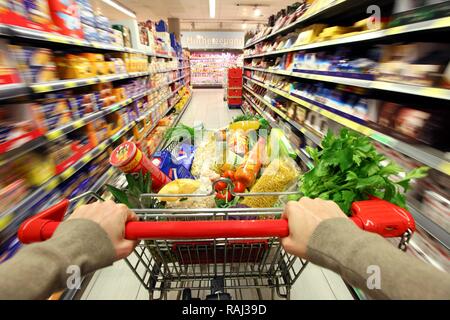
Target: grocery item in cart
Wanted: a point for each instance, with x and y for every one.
(204, 160)
(247, 172)
(277, 177)
(179, 186)
(128, 158)
(203, 186)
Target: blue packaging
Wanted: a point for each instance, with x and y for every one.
(164, 160)
(90, 33)
(186, 155)
(87, 17)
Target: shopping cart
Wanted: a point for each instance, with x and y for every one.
(222, 250)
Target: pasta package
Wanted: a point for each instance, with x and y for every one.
(277, 177)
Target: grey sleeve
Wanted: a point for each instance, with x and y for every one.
(356, 255)
(40, 269)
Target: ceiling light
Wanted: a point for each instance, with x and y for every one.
(244, 26)
(120, 8)
(212, 8)
(257, 12)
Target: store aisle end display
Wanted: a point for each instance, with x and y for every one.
(209, 68)
(70, 96)
(308, 72)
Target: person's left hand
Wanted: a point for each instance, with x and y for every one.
(112, 218)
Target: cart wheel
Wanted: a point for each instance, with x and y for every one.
(187, 294)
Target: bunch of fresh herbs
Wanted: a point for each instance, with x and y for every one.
(138, 183)
(349, 169)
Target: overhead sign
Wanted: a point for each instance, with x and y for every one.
(212, 40)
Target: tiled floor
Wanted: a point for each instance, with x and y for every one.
(119, 282)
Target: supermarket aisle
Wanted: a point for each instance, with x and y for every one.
(207, 106)
(119, 282)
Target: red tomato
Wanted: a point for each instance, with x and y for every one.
(219, 186)
(224, 196)
(239, 187)
(229, 174)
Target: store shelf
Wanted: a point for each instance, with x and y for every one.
(40, 193)
(314, 137)
(45, 189)
(175, 122)
(429, 156)
(57, 133)
(428, 225)
(431, 25)
(429, 92)
(334, 8)
(17, 32)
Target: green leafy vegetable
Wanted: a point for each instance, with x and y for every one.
(138, 183)
(245, 117)
(349, 169)
(180, 132)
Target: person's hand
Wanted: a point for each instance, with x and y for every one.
(303, 218)
(112, 218)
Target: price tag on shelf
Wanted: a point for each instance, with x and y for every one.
(384, 139)
(42, 88)
(395, 30)
(70, 84)
(55, 134)
(51, 185)
(435, 93)
(444, 167)
(67, 173)
(78, 124)
(442, 23)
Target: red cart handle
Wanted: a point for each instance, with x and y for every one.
(42, 226)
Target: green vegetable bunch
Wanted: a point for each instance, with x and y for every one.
(178, 132)
(138, 183)
(349, 169)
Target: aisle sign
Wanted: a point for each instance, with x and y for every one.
(212, 40)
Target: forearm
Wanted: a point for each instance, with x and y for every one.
(337, 244)
(40, 269)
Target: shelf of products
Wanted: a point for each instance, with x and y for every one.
(11, 217)
(209, 68)
(310, 71)
(429, 156)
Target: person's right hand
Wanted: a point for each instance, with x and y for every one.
(303, 218)
(112, 218)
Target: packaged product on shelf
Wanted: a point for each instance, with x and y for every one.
(83, 104)
(97, 131)
(71, 66)
(414, 124)
(102, 22)
(90, 33)
(66, 15)
(128, 158)
(66, 151)
(8, 69)
(37, 168)
(118, 38)
(126, 34)
(418, 63)
(87, 18)
(35, 64)
(37, 11)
